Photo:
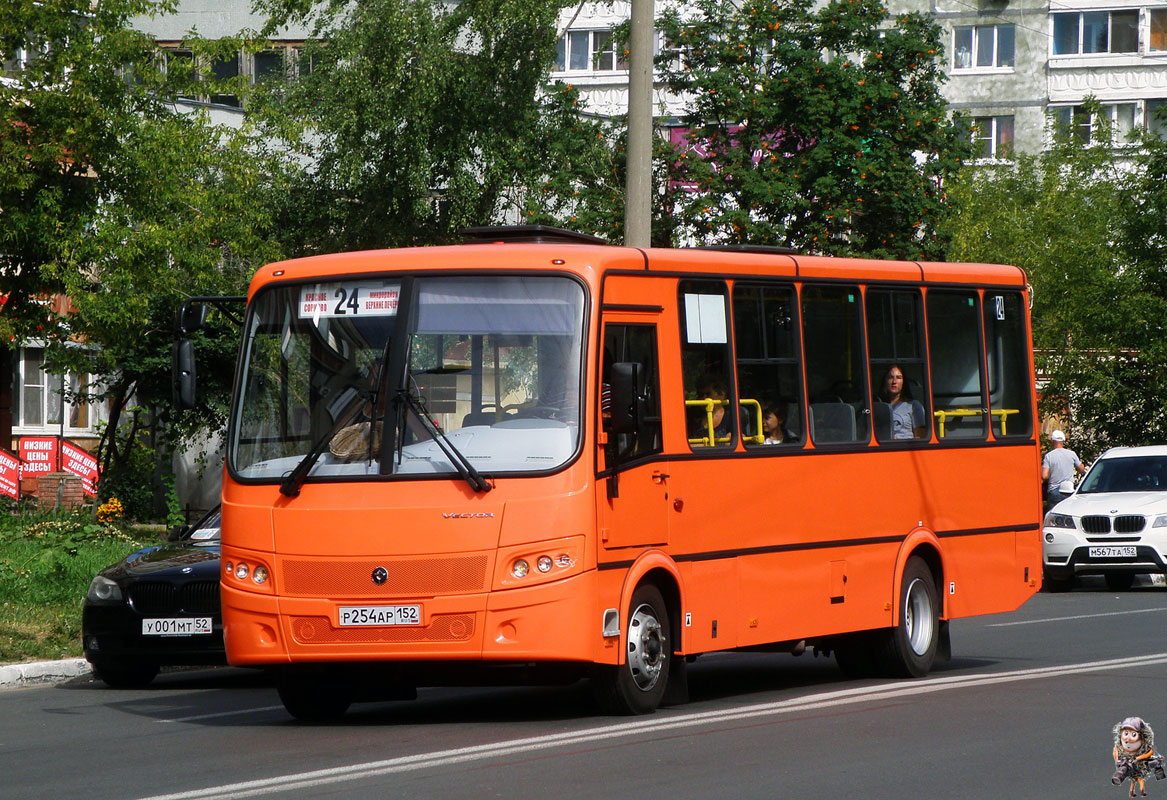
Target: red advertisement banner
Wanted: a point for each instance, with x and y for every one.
(80, 463)
(39, 454)
(9, 476)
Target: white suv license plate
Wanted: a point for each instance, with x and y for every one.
(177, 626)
(379, 615)
(1113, 552)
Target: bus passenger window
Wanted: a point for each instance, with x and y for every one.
(768, 378)
(832, 335)
(705, 363)
(1006, 347)
(955, 356)
(900, 402)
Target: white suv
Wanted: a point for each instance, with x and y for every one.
(1114, 525)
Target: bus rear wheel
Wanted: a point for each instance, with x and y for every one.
(908, 649)
(313, 696)
(638, 685)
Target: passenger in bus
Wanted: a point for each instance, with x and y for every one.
(711, 388)
(774, 424)
(908, 418)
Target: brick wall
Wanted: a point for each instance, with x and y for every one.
(60, 489)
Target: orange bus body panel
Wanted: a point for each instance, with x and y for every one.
(758, 548)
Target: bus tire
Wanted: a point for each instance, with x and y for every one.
(908, 649)
(637, 686)
(313, 697)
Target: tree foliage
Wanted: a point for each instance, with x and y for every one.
(1086, 223)
(112, 195)
(417, 119)
(813, 125)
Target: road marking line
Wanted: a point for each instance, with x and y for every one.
(220, 714)
(660, 722)
(1080, 616)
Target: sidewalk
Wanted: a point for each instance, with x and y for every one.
(37, 673)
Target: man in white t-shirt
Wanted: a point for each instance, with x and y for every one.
(1058, 465)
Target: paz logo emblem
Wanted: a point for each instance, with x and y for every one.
(380, 575)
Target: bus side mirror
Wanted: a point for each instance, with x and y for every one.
(627, 389)
(191, 317)
(183, 374)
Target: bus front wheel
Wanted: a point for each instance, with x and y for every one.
(313, 696)
(638, 685)
(908, 649)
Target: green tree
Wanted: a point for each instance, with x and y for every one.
(1074, 217)
(816, 126)
(416, 119)
(113, 196)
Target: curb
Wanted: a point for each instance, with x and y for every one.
(38, 673)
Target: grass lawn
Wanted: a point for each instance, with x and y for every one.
(46, 564)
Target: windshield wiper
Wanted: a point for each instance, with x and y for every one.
(471, 475)
(290, 486)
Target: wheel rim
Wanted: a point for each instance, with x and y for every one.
(918, 617)
(647, 649)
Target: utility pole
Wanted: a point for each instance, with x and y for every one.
(638, 189)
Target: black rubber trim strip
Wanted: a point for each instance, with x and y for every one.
(716, 555)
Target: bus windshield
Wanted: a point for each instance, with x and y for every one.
(489, 375)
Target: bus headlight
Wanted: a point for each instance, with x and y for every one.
(539, 562)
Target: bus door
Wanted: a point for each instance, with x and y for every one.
(633, 490)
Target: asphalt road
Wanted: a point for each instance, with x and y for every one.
(1025, 707)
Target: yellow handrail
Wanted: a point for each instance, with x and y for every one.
(759, 437)
(1003, 413)
(708, 404)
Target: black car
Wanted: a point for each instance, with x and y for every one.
(156, 607)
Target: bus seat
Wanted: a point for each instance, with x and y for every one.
(832, 422)
(881, 413)
(793, 420)
(478, 418)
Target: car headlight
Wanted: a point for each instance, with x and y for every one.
(103, 590)
(1160, 522)
(1053, 520)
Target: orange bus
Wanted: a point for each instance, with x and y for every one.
(536, 457)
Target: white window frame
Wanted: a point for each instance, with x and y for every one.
(1111, 110)
(1152, 14)
(50, 400)
(978, 32)
(1080, 51)
(993, 135)
(595, 37)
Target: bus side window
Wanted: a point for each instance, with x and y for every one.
(765, 330)
(900, 407)
(1006, 347)
(832, 335)
(632, 343)
(955, 357)
(705, 361)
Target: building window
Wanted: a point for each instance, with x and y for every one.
(1078, 121)
(589, 51)
(1158, 39)
(224, 69)
(1095, 32)
(1157, 118)
(993, 136)
(38, 400)
(269, 66)
(982, 47)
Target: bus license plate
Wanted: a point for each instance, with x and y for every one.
(1113, 552)
(180, 626)
(379, 615)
